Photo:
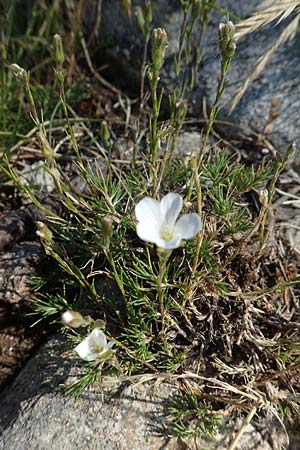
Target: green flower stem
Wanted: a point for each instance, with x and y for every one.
(215, 109)
(163, 258)
(67, 264)
(199, 238)
(118, 279)
(30, 98)
(281, 166)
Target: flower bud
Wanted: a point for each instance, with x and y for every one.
(126, 6)
(292, 151)
(196, 9)
(140, 18)
(104, 131)
(185, 5)
(226, 39)
(99, 323)
(159, 45)
(72, 319)
(19, 72)
(43, 232)
(45, 146)
(181, 108)
(107, 230)
(263, 197)
(231, 49)
(59, 51)
(148, 13)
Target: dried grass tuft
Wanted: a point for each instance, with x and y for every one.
(287, 34)
(267, 13)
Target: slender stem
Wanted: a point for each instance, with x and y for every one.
(199, 239)
(143, 72)
(215, 109)
(242, 429)
(163, 257)
(70, 127)
(119, 282)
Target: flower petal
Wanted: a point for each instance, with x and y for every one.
(109, 345)
(169, 245)
(84, 350)
(170, 207)
(97, 338)
(148, 232)
(188, 226)
(147, 210)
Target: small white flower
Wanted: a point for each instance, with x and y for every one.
(94, 346)
(157, 221)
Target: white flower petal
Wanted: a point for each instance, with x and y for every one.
(147, 231)
(147, 210)
(97, 338)
(169, 245)
(109, 345)
(188, 226)
(170, 207)
(84, 350)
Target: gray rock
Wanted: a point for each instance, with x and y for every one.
(280, 80)
(35, 415)
(17, 267)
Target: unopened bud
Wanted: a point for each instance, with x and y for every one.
(264, 197)
(196, 9)
(43, 232)
(159, 45)
(181, 110)
(104, 131)
(231, 48)
(45, 146)
(126, 6)
(226, 39)
(185, 5)
(107, 231)
(148, 13)
(107, 227)
(19, 72)
(140, 18)
(99, 323)
(292, 150)
(59, 51)
(72, 319)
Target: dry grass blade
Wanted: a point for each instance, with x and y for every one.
(269, 13)
(287, 34)
(246, 422)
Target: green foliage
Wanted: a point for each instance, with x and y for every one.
(189, 416)
(168, 314)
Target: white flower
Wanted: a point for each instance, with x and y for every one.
(94, 346)
(157, 221)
